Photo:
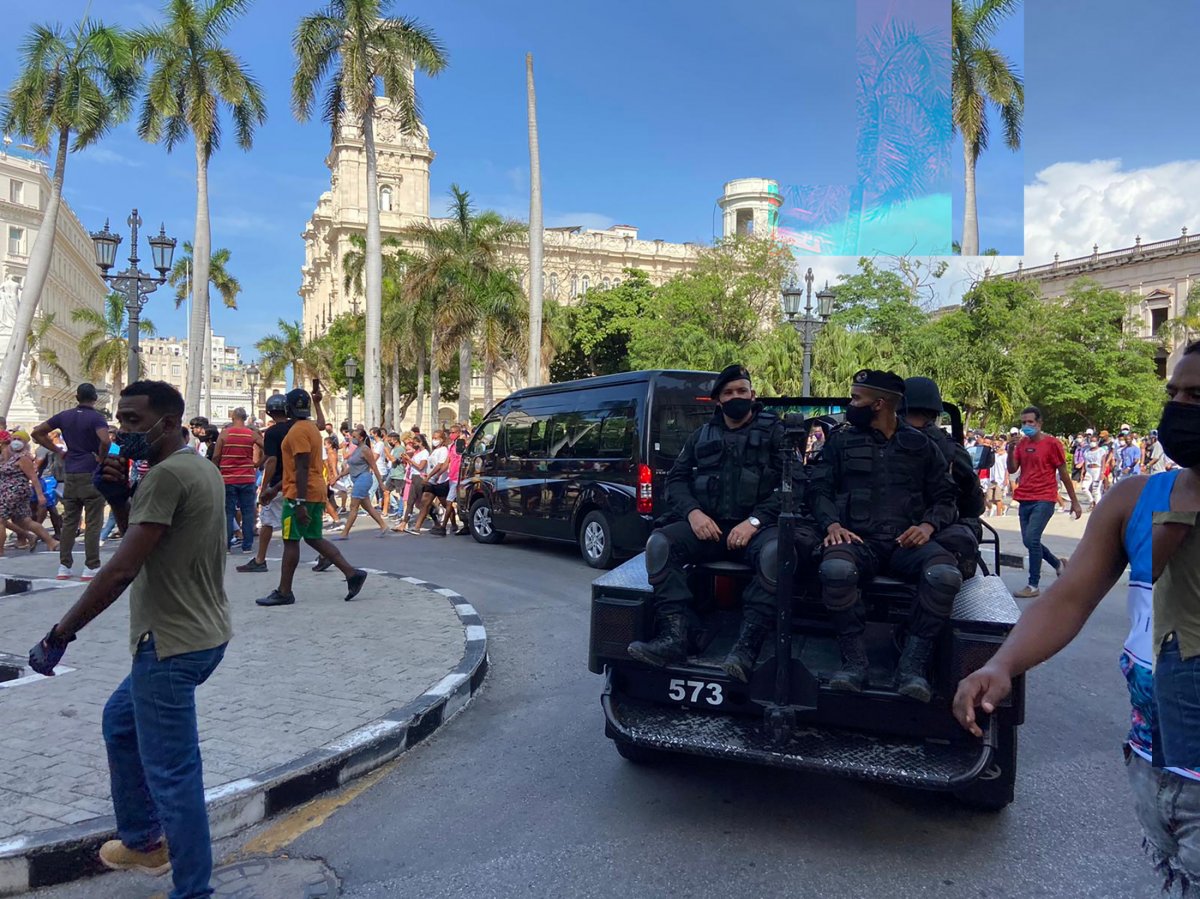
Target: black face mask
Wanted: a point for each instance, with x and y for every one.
(1179, 433)
(860, 416)
(737, 409)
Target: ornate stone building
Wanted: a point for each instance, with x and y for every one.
(1160, 273)
(576, 259)
(73, 283)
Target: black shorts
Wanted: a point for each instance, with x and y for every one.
(441, 491)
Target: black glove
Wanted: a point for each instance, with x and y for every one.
(49, 652)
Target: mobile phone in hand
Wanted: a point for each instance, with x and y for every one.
(316, 385)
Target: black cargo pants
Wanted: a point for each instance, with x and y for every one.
(846, 567)
(667, 576)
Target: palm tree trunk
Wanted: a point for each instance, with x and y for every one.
(464, 380)
(536, 234)
(970, 234)
(35, 278)
(435, 382)
(394, 423)
(489, 375)
(373, 278)
(420, 417)
(388, 408)
(208, 383)
(198, 375)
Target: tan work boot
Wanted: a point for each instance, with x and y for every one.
(116, 855)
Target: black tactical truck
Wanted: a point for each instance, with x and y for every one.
(787, 716)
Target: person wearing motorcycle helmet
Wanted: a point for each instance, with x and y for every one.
(270, 497)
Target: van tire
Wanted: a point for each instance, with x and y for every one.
(483, 527)
(595, 540)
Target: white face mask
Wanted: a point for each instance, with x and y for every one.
(436, 444)
(17, 446)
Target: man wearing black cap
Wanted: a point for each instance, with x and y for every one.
(880, 491)
(721, 491)
(922, 408)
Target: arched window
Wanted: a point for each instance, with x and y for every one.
(554, 286)
(607, 284)
(585, 283)
(574, 285)
(385, 199)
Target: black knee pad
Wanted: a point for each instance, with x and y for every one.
(839, 582)
(658, 553)
(768, 566)
(942, 582)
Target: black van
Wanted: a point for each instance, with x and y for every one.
(582, 461)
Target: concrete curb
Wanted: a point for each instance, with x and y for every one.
(70, 852)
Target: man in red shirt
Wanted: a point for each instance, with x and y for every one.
(235, 456)
(1041, 462)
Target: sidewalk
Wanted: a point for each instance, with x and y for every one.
(307, 697)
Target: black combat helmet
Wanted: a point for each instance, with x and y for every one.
(277, 403)
(299, 403)
(922, 395)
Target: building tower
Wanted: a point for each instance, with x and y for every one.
(750, 206)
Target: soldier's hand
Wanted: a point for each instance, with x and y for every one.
(984, 689)
(740, 536)
(835, 534)
(917, 535)
(703, 526)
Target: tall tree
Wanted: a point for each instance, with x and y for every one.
(980, 76)
(219, 276)
(281, 350)
(78, 85)
(353, 44)
(192, 76)
(536, 234)
(104, 347)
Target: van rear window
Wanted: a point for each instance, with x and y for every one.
(673, 424)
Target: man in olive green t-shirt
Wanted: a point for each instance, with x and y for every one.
(173, 555)
(1176, 572)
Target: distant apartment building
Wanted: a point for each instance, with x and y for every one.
(73, 283)
(228, 385)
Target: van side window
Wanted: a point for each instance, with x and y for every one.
(575, 435)
(616, 435)
(525, 435)
(485, 438)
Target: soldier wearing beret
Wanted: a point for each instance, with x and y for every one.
(722, 496)
(880, 491)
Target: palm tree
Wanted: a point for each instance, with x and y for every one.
(448, 279)
(193, 75)
(285, 348)
(41, 354)
(981, 75)
(501, 326)
(219, 277)
(79, 84)
(104, 347)
(354, 44)
(536, 234)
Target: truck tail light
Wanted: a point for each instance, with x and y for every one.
(645, 490)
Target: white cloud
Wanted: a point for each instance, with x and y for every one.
(240, 221)
(107, 156)
(1072, 205)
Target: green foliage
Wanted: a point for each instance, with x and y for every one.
(104, 347)
(218, 276)
(878, 301)
(597, 331)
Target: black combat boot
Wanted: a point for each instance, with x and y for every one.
(667, 648)
(910, 673)
(739, 663)
(852, 676)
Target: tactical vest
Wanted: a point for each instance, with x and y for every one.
(968, 494)
(882, 485)
(727, 479)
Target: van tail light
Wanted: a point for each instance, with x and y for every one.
(645, 490)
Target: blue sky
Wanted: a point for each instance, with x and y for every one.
(643, 116)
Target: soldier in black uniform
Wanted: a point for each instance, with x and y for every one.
(722, 491)
(922, 408)
(880, 491)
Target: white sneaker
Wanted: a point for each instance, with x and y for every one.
(64, 573)
(89, 573)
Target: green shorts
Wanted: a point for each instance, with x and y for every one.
(293, 529)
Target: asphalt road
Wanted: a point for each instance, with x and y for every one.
(524, 796)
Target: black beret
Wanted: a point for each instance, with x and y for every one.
(885, 381)
(729, 373)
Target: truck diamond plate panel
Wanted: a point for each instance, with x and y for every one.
(985, 599)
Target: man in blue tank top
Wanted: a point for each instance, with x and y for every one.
(1167, 800)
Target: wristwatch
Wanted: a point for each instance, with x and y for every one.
(754, 522)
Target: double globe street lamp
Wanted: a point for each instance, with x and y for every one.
(351, 369)
(806, 324)
(133, 284)
(252, 374)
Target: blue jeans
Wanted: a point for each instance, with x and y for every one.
(1177, 694)
(1034, 516)
(154, 762)
(240, 496)
(110, 525)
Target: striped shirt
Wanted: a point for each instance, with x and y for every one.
(237, 456)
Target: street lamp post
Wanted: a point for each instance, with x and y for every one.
(806, 324)
(133, 284)
(351, 368)
(252, 376)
